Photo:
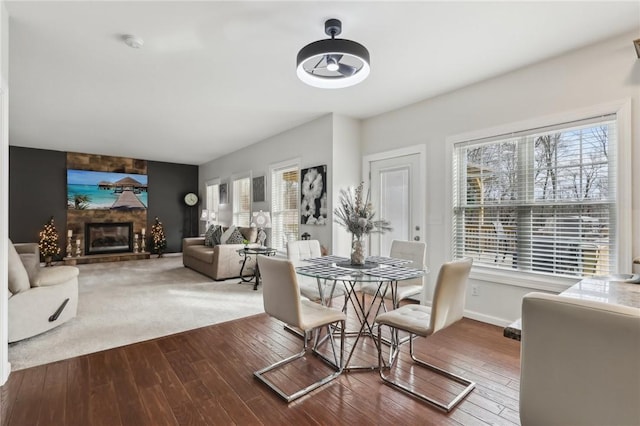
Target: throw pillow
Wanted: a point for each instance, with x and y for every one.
(235, 237)
(226, 234)
(209, 239)
(217, 234)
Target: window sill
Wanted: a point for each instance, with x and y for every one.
(522, 279)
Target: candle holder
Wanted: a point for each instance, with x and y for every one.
(142, 244)
(135, 243)
(78, 249)
(69, 244)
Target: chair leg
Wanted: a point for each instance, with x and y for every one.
(446, 406)
(260, 374)
(337, 363)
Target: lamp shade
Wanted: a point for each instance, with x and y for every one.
(261, 219)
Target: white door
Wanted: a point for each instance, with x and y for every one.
(397, 196)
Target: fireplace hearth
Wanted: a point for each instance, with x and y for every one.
(108, 237)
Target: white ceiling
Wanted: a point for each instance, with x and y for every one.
(214, 77)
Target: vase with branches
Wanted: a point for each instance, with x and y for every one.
(355, 213)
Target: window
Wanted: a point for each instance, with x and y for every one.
(242, 201)
(542, 200)
(284, 205)
(213, 201)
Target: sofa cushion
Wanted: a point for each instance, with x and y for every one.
(54, 276)
(17, 274)
(249, 234)
(236, 237)
(209, 240)
(202, 253)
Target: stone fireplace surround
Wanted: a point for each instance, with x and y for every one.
(77, 219)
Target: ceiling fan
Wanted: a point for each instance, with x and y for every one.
(333, 63)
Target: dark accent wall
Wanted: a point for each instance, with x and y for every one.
(168, 184)
(38, 190)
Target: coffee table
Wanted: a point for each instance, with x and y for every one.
(246, 254)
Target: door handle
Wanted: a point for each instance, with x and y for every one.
(416, 238)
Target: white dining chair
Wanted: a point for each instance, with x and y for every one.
(281, 297)
(297, 253)
(446, 309)
(416, 252)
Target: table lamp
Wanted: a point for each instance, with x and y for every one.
(204, 216)
(261, 220)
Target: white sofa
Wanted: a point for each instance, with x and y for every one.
(39, 298)
(580, 362)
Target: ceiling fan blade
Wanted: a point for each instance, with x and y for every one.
(317, 65)
(346, 70)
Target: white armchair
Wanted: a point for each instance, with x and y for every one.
(39, 298)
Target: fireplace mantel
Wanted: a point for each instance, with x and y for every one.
(110, 257)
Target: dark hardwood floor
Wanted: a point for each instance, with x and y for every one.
(205, 377)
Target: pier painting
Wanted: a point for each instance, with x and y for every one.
(89, 190)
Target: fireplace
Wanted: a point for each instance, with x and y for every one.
(108, 237)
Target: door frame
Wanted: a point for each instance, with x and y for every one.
(421, 150)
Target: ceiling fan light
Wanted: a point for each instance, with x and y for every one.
(332, 64)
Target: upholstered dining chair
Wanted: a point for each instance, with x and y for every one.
(416, 252)
(446, 309)
(282, 301)
(297, 252)
(579, 362)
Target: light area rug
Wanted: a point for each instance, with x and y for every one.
(126, 302)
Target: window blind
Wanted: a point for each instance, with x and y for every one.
(213, 199)
(242, 202)
(541, 200)
(284, 205)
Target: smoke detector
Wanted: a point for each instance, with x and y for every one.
(134, 42)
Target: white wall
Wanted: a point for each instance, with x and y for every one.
(347, 171)
(310, 143)
(5, 367)
(598, 74)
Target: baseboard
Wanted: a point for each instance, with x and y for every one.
(6, 370)
(501, 322)
(487, 318)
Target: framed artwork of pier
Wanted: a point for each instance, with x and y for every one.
(89, 190)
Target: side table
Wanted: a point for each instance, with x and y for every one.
(246, 254)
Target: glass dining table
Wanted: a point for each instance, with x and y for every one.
(387, 272)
